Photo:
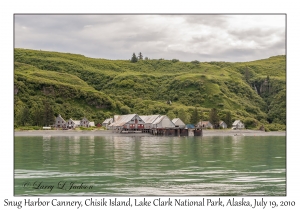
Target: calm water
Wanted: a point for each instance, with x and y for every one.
(237, 165)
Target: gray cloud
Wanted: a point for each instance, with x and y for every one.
(210, 20)
(185, 37)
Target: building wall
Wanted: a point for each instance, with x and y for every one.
(84, 122)
(135, 123)
(179, 124)
(223, 125)
(71, 123)
(208, 125)
(240, 125)
(107, 124)
(148, 126)
(165, 123)
(60, 122)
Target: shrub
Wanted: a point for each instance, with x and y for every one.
(86, 129)
(250, 122)
(125, 109)
(275, 127)
(195, 62)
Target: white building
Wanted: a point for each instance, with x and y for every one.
(222, 124)
(205, 124)
(238, 125)
(178, 123)
(84, 122)
(106, 123)
(60, 122)
(127, 122)
(163, 122)
(73, 123)
(149, 119)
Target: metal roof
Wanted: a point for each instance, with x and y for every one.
(174, 120)
(236, 122)
(60, 117)
(159, 119)
(76, 122)
(178, 120)
(120, 120)
(190, 126)
(149, 118)
(204, 123)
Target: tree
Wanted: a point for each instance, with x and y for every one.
(201, 116)
(213, 117)
(37, 116)
(183, 116)
(48, 113)
(228, 120)
(25, 116)
(140, 56)
(250, 122)
(134, 58)
(195, 62)
(171, 115)
(247, 74)
(125, 109)
(195, 117)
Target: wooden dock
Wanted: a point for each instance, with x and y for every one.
(176, 132)
(164, 131)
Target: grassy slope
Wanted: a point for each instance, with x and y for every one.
(98, 88)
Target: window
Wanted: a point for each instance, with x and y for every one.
(57, 121)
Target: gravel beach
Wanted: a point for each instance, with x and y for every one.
(110, 133)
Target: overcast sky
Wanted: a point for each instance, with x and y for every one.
(185, 37)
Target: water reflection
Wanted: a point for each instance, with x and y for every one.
(155, 165)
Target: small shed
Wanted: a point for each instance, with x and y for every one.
(107, 122)
(205, 124)
(178, 123)
(238, 125)
(222, 124)
(91, 124)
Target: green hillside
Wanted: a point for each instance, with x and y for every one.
(50, 83)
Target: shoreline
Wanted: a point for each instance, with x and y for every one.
(111, 133)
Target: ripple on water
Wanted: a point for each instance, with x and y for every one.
(155, 165)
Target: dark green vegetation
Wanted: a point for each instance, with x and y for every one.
(76, 86)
